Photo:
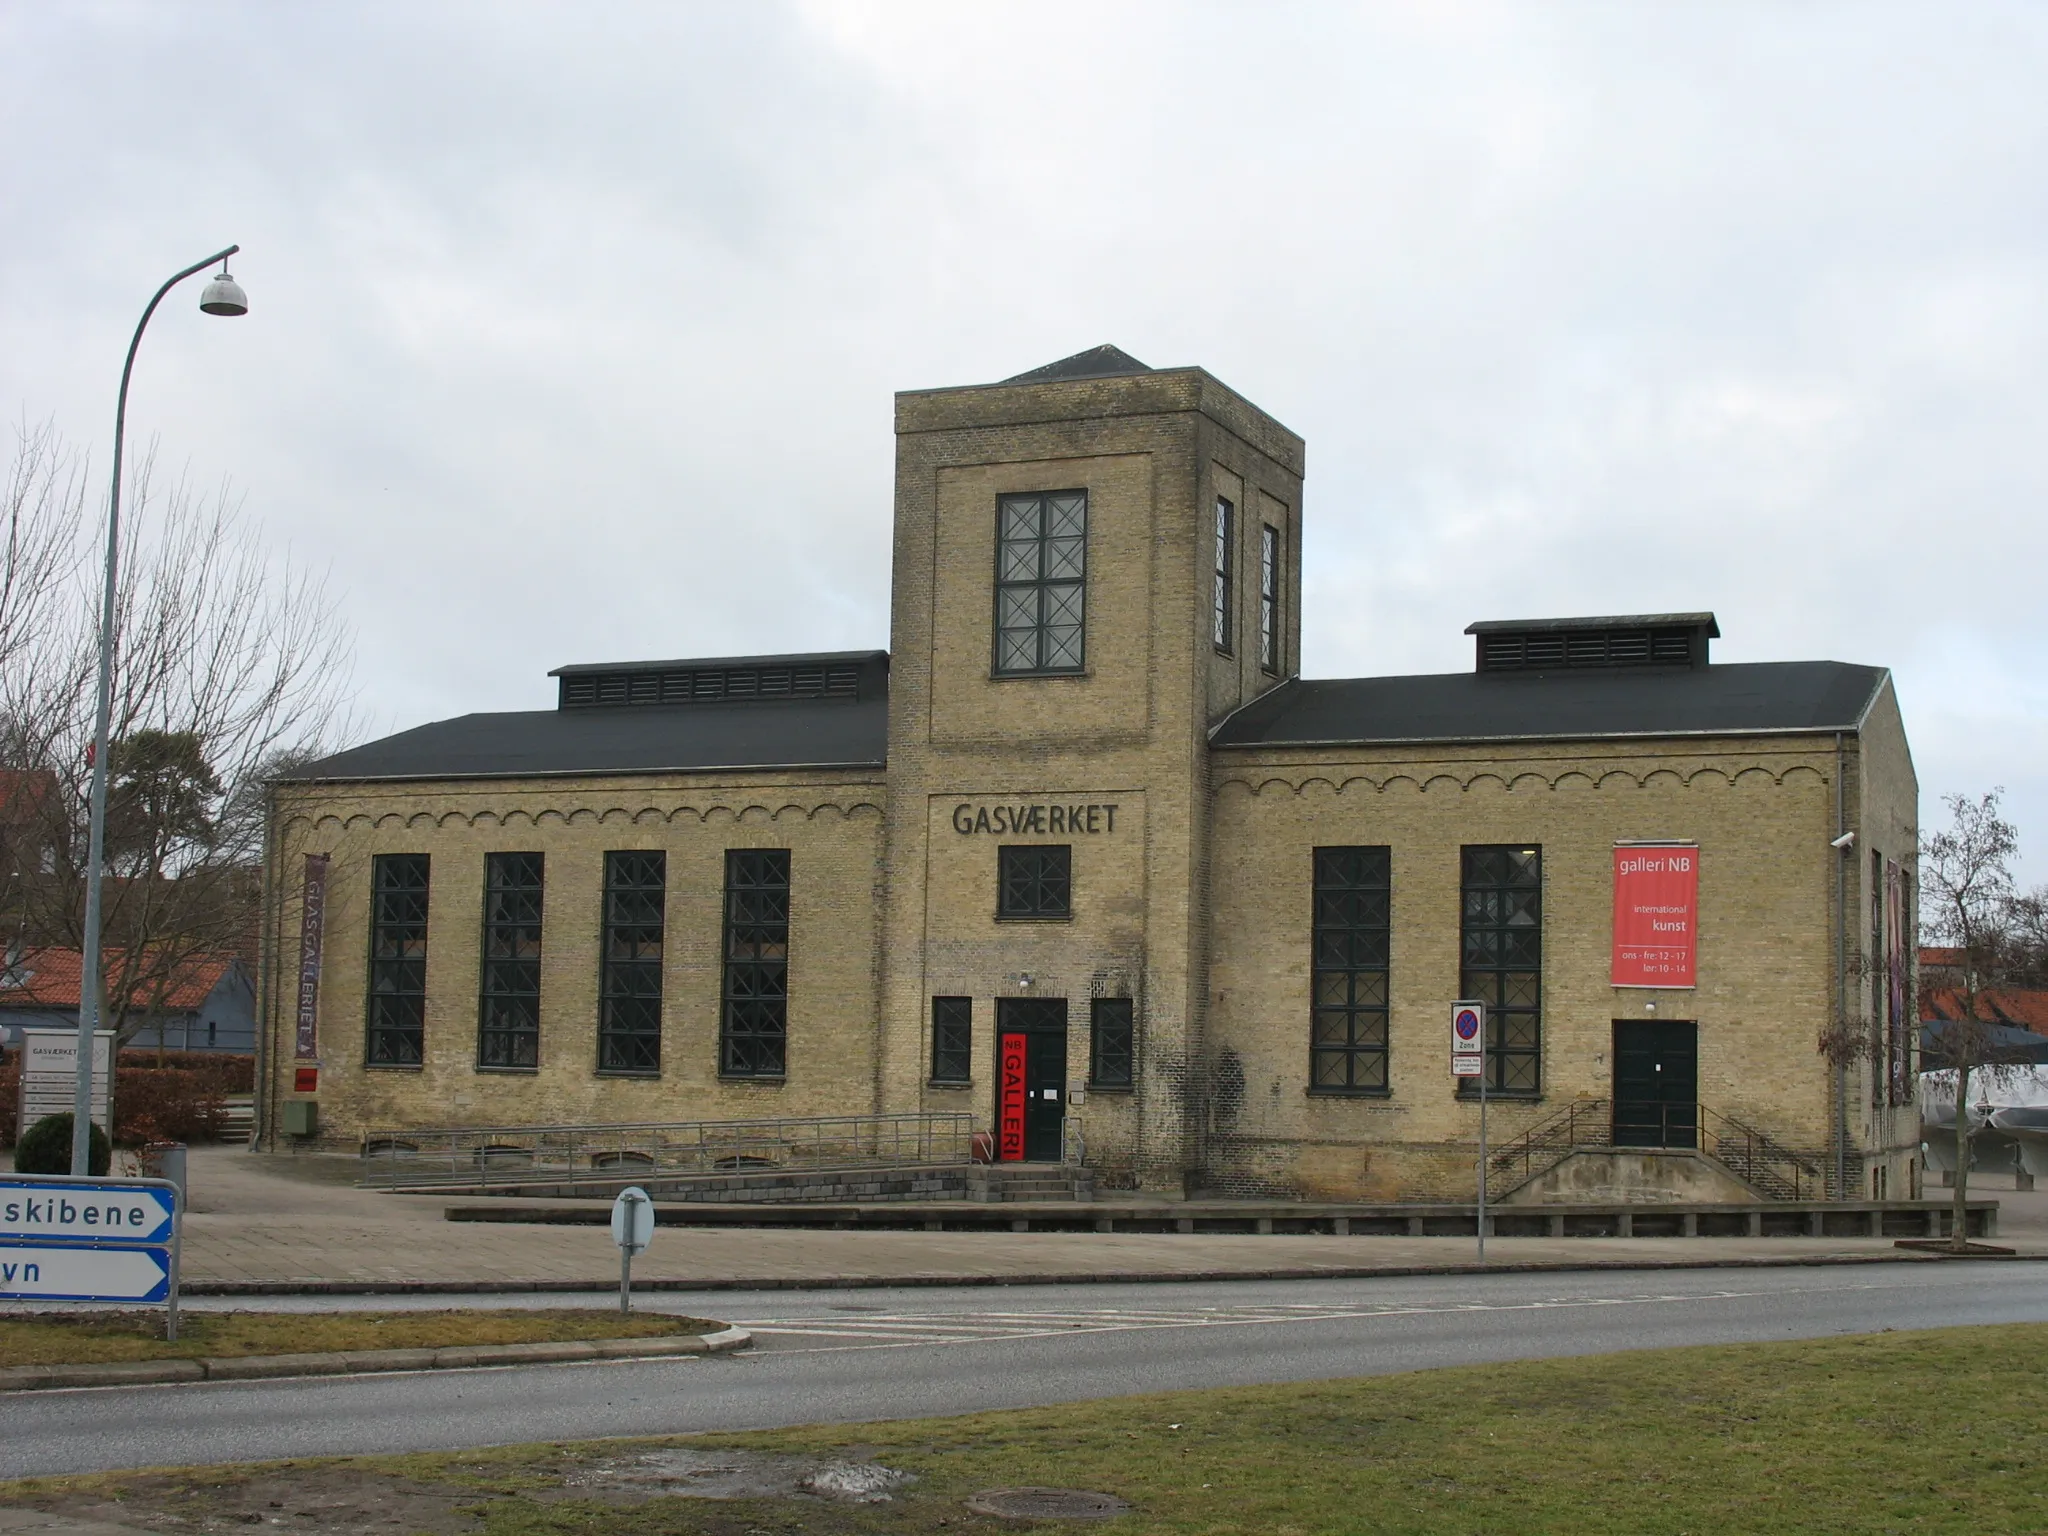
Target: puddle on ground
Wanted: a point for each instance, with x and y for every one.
(733, 1475)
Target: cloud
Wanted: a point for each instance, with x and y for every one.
(574, 332)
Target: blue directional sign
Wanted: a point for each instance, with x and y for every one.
(65, 1239)
(85, 1211)
(78, 1272)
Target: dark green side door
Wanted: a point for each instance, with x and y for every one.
(1656, 1083)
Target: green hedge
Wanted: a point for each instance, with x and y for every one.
(174, 1103)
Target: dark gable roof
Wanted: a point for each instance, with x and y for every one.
(1721, 700)
(763, 733)
(1103, 362)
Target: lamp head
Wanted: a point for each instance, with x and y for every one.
(224, 296)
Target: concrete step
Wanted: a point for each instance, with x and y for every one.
(999, 1184)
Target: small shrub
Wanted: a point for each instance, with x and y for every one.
(10, 1101)
(47, 1148)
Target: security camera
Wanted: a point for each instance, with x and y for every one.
(1845, 841)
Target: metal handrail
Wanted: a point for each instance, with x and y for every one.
(504, 1154)
(1772, 1167)
(1775, 1169)
(1582, 1123)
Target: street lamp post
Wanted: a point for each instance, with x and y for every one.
(222, 296)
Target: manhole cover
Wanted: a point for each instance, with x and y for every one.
(1047, 1504)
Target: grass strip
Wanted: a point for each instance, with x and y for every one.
(1910, 1432)
(95, 1338)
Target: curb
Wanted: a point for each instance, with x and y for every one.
(135, 1373)
(1103, 1277)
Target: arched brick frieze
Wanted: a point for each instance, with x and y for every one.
(1525, 781)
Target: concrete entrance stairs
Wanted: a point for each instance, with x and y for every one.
(1005, 1183)
(1537, 1166)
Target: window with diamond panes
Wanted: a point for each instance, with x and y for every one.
(1502, 938)
(952, 1039)
(1351, 944)
(508, 1009)
(629, 1000)
(1109, 1042)
(1269, 598)
(754, 1012)
(1041, 582)
(397, 1024)
(1220, 599)
(1035, 882)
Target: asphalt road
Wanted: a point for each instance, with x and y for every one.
(851, 1356)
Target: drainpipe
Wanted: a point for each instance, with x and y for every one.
(1841, 983)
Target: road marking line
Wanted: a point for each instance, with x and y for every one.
(897, 1331)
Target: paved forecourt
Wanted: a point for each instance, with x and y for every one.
(262, 1221)
(300, 1223)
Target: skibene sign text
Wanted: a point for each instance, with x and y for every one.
(65, 1239)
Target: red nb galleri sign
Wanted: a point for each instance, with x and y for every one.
(1656, 914)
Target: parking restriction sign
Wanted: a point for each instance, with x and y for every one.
(1468, 1023)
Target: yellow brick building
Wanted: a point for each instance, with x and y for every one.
(1084, 821)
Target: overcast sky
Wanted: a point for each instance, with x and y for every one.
(574, 328)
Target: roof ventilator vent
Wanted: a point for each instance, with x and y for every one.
(709, 685)
(1546, 645)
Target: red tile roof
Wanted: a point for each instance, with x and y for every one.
(2021, 1007)
(48, 978)
(23, 792)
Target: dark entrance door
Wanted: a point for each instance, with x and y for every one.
(1031, 1081)
(1656, 1083)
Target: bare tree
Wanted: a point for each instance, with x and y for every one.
(43, 506)
(1968, 904)
(227, 661)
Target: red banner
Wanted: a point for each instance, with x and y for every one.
(1010, 1102)
(1656, 915)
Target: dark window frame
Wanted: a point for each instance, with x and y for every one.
(753, 1001)
(1351, 971)
(1112, 1044)
(395, 1011)
(1500, 925)
(1041, 586)
(629, 977)
(952, 1042)
(1223, 595)
(508, 971)
(1270, 658)
(1035, 883)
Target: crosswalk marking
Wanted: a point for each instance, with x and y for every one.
(905, 1330)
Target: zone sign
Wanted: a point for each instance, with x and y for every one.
(1468, 1024)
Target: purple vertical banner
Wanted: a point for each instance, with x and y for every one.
(312, 924)
(1896, 1057)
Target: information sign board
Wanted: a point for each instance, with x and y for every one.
(49, 1074)
(1468, 1066)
